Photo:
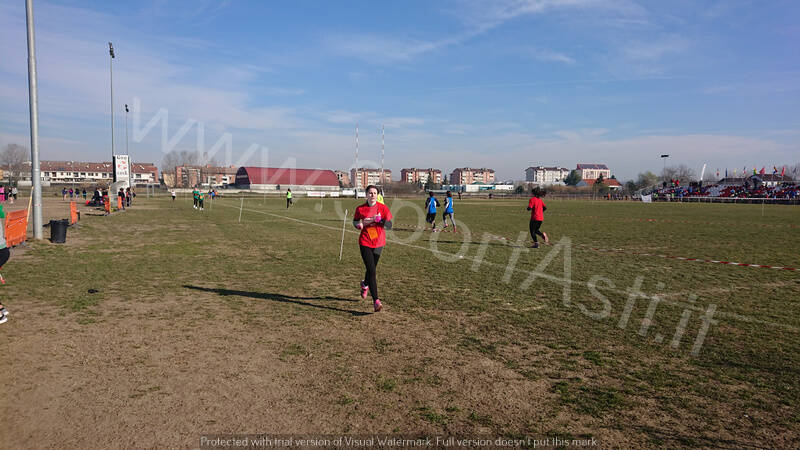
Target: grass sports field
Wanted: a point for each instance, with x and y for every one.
(201, 324)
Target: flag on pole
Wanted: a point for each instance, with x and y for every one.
(754, 171)
(783, 171)
(763, 171)
(726, 172)
(774, 170)
(734, 171)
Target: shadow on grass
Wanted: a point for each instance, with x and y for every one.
(281, 298)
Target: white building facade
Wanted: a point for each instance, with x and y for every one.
(546, 175)
(593, 171)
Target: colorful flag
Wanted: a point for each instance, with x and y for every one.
(717, 173)
(783, 171)
(734, 172)
(726, 172)
(755, 171)
(763, 170)
(774, 170)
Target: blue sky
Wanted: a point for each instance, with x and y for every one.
(499, 84)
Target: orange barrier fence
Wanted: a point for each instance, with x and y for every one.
(16, 227)
(73, 213)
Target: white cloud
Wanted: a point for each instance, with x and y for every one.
(551, 56)
(656, 49)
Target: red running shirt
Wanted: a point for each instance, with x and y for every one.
(372, 235)
(537, 208)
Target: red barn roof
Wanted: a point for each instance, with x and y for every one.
(286, 176)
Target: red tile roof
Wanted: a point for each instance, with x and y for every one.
(286, 176)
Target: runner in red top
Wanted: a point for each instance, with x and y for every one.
(537, 208)
(372, 218)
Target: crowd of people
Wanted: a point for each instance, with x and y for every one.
(8, 193)
(747, 190)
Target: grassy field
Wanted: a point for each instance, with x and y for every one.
(158, 325)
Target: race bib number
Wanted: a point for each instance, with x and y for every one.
(373, 233)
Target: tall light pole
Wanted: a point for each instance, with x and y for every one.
(111, 72)
(130, 160)
(126, 129)
(664, 170)
(355, 178)
(36, 179)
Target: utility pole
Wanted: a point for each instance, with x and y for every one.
(36, 179)
(111, 72)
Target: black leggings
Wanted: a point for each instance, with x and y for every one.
(535, 224)
(371, 256)
(4, 255)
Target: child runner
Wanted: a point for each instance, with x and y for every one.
(430, 206)
(194, 197)
(172, 193)
(4, 255)
(200, 196)
(288, 198)
(537, 208)
(448, 211)
(372, 218)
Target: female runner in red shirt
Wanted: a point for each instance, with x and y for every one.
(372, 218)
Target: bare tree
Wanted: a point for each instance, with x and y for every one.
(13, 158)
(646, 180)
(682, 173)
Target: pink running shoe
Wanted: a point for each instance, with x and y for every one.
(364, 291)
(377, 304)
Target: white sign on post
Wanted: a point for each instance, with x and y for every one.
(122, 168)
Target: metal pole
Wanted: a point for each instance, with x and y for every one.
(36, 179)
(382, 153)
(111, 73)
(127, 152)
(355, 182)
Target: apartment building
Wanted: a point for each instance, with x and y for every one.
(467, 175)
(421, 176)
